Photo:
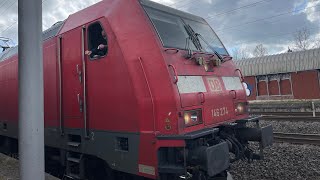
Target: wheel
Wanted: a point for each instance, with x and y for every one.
(99, 170)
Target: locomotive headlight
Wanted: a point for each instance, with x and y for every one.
(241, 108)
(208, 66)
(192, 118)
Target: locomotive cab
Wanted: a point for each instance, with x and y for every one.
(211, 100)
(137, 88)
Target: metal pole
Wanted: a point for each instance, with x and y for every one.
(313, 109)
(31, 101)
(257, 90)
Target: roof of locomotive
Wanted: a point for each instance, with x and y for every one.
(47, 34)
(73, 21)
(281, 63)
(170, 10)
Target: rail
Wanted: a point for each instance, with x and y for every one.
(283, 113)
(288, 116)
(291, 118)
(295, 138)
(308, 108)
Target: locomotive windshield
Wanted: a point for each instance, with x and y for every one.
(173, 34)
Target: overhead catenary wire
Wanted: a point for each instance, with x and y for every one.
(177, 2)
(237, 9)
(8, 7)
(222, 13)
(262, 19)
(9, 27)
(184, 5)
(16, 21)
(246, 31)
(271, 36)
(5, 11)
(3, 2)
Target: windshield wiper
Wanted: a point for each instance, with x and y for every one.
(193, 36)
(214, 51)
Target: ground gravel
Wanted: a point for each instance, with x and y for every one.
(293, 127)
(9, 169)
(282, 162)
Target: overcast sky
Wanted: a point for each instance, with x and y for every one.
(239, 23)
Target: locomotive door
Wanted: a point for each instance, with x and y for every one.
(73, 99)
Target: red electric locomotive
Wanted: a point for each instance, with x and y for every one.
(135, 87)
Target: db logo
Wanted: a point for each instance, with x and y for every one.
(214, 84)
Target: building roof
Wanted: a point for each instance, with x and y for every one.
(281, 63)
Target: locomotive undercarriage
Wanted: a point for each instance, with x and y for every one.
(209, 156)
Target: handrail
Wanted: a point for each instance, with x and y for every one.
(175, 73)
(203, 98)
(241, 76)
(150, 93)
(84, 82)
(172, 49)
(60, 85)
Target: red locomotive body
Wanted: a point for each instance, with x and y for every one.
(163, 100)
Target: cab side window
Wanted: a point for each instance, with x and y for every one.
(97, 41)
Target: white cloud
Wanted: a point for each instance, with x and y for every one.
(165, 2)
(53, 11)
(312, 11)
(275, 34)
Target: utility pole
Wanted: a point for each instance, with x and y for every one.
(31, 101)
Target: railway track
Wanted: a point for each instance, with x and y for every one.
(284, 113)
(296, 138)
(288, 116)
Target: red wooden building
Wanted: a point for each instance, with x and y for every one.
(294, 75)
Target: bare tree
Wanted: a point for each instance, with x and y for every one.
(240, 53)
(302, 40)
(260, 51)
(317, 43)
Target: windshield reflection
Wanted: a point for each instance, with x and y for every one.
(172, 32)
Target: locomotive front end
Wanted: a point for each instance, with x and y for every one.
(213, 127)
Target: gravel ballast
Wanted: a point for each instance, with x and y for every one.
(9, 169)
(282, 162)
(293, 127)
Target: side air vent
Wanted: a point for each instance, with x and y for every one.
(5, 127)
(122, 144)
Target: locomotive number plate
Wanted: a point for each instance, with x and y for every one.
(219, 112)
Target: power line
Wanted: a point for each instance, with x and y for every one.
(239, 8)
(233, 29)
(228, 11)
(196, 8)
(9, 27)
(272, 36)
(3, 2)
(8, 8)
(190, 2)
(15, 22)
(177, 2)
(184, 5)
(258, 20)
